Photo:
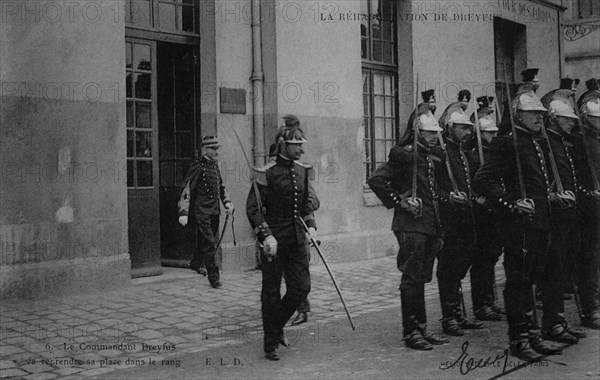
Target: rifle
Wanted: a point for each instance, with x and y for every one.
(568, 196)
(478, 134)
(413, 199)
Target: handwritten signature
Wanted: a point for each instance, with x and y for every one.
(466, 364)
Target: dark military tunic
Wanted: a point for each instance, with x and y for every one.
(526, 239)
(488, 242)
(419, 239)
(202, 190)
(589, 219)
(565, 234)
(286, 196)
(458, 221)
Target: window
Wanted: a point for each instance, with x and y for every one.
(165, 15)
(380, 67)
(139, 114)
(588, 8)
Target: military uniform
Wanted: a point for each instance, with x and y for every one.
(419, 238)
(589, 211)
(458, 251)
(202, 190)
(488, 246)
(526, 237)
(286, 195)
(565, 232)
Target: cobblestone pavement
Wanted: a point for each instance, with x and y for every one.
(179, 313)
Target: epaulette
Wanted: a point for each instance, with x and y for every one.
(408, 148)
(307, 166)
(260, 173)
(568, 144)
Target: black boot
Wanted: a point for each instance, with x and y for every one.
(431, 338)
(452, 327)
(416, 341)
(542, 346)
(301, 318)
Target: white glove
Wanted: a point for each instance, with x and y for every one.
(270, 246)
(183, 220)
(229, 208)
(312, 232)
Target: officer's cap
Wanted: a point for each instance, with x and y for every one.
(528, 101)
(210, 142)
(290, 131)
(427, 122)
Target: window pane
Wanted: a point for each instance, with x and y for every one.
(167, 16)
(128, 85)
(377, 84)
(143, 86)
(187, 19)
(379, 130)
(128, 55)
(139, 13)
(375, 7)
(365, 76)
(141, 56)
(387, 81)
(389, 129)
(387, 31)
(144, 173)
(166, 146)
(377, 54)
(387, 8)
(388, 55)
(142, 115)
(181, 169)
(366, 105)
(129, 143)
(367, 124)
(376, 28)
(130, 173)
(183, 146)
(378, 109)
(380, 152)
(389, 110)
(167, 173)
(143, 144)
(184, 118)
(364, 49)
(129, 114)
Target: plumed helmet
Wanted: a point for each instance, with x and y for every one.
(427, 122)
(590, 105)
(487, 124)
(290, 131)
(527, 101)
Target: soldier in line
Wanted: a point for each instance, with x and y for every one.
(202, 189)
(587, 164)
(520, 189)
(285, 194)
(416, 222)
(565, 232)
(457, 217)
(488, 247)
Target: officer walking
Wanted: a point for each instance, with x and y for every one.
(416, 222)
(488, 247)
(202, 189)
(516, 181)
(285, 194)
(458, 220)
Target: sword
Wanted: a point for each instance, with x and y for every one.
(314, 242)
(478, 134)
